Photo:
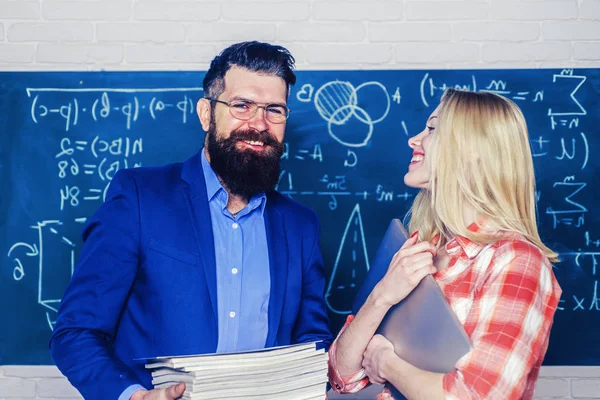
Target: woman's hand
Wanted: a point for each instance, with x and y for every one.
(408, 266)
(378, 350)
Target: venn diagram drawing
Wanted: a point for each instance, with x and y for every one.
(338, 103)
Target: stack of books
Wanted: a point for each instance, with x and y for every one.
(295, 372)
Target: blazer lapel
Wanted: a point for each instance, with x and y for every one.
(278, 266)
(197, 201)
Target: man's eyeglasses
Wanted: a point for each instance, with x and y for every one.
(245, 110)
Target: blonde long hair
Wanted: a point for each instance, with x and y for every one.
(480, 156)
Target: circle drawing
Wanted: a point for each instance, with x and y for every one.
(337, 103)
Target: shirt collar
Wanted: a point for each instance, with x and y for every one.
(470, 248)
(214, 188)
(213, 185)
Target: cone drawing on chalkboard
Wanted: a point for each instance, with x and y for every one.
(350, 268)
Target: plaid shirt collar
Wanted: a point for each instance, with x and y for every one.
(469, 248)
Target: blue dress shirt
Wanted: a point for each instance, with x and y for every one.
(243, 277)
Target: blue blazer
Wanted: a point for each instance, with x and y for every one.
(145, 283)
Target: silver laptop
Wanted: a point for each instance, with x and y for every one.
(423, 328)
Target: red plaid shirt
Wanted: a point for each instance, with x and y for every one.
(505, 295)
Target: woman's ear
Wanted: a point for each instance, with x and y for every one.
(203, 111)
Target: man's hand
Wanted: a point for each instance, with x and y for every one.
(378, 350)
(171, 393)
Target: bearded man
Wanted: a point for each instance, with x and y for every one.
(202, 256)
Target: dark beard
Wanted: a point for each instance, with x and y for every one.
(244, 172)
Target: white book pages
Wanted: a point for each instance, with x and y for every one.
(254, 381)
(277, 371)
(216, 362)
(317, 391)
(240, 367)
(220, 357)
(258, 388)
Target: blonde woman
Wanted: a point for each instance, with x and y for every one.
(474, 228)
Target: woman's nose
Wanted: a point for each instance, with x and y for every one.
(414, 141)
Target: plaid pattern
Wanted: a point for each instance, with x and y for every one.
(505, 295)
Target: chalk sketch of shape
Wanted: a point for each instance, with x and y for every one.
(350, 268)
(386, 96)
(305, 93)
(331, 97)
(337, 103)
(56, 265)
(572, 189)
(577, 81)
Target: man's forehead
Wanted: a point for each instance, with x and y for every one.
(238, 78)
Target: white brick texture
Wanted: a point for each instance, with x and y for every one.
(177, 11)
(586, 51)
(322, 32)
(117, 34)
(358, 10)
(588, 388)
(348, 54)
(571, 30)
(113, 10)
(19, 9)
(282, 11)
(548, 387)
(79, 53)
(50, 32)
(534, 11)
(497, 31)
(17, 387)
(447, 10)
(157, 32)
(410, 32)
(171, 53)
(589, 9)
(431, 53)
(230, 32)
(494, 52)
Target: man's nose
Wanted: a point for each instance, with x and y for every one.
(259, 121)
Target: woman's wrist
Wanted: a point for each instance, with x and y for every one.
(378, 300)
(389, 364)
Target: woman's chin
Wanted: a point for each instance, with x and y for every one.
(410, 181)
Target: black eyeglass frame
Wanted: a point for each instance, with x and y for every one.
(264, 107)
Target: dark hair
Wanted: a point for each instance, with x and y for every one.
(253, 56)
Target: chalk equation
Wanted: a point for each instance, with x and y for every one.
(128, 105)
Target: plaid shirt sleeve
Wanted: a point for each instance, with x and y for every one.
(345, 384)
(510, 320)
(351, 383)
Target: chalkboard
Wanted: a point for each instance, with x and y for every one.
(64, 135)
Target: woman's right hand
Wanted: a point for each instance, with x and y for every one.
(409, 265)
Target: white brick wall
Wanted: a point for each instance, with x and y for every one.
(342, 34)
(47, 383)
(322, 34)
